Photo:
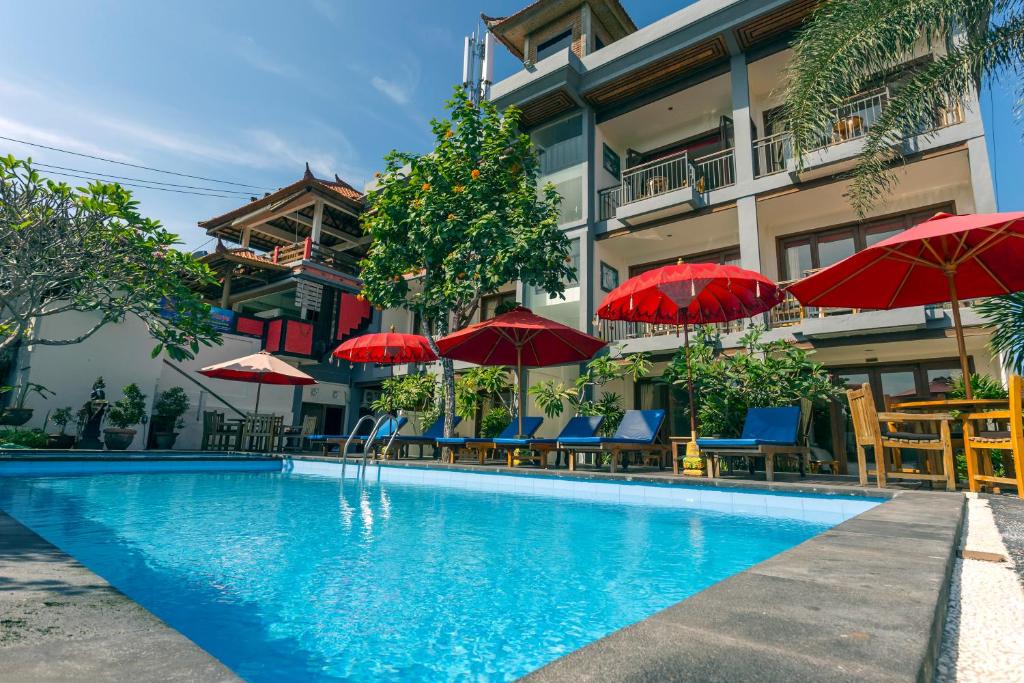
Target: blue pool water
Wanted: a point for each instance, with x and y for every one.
(285, 576)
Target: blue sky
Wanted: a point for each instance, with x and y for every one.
(251, 91)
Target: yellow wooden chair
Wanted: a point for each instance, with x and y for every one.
(877, 430)
(979, 444)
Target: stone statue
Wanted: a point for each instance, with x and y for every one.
(91, 416)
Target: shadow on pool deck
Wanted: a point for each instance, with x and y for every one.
(59, 621)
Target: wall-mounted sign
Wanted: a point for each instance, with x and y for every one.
(222, 319)
(611, 161)
(609, 277)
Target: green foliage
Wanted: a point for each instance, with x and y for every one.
(169, 406)
(496, 419)
(1006, 315)
(982, 386)
(129, 410)
(552, 397)
(478, 384)
(416, 393)
(89, 249)
(23, 390)
(763, 375)
(62, 417)
(848, 44)
(26, 438)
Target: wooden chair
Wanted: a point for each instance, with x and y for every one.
(294, 437)
(878, 431)
(217, 434)
(978, 444)
(260, 432)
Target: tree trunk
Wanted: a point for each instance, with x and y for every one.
(447, 376)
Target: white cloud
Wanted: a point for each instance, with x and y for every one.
(250, 52)
(395, 91)
(23, 131)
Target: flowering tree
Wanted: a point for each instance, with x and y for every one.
(88, 249)
(454, 225)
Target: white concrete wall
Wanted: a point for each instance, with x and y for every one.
(120, 353)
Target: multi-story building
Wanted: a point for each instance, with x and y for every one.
(666, 142)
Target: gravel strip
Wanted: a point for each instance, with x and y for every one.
(1009, 514)
(986, 609)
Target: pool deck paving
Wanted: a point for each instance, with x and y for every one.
(865, 600)
(61, 622)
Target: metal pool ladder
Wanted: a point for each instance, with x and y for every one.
(369, 440)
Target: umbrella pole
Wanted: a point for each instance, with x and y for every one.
(961, 347)
(519, 387)
(259, 386)
(691, 447)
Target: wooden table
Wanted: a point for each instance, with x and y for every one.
(964, 406)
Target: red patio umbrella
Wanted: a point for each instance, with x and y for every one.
(260, 368)
(946, 258)
(386, 347)
(521, 339)
(687, 294)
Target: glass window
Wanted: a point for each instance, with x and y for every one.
(853, 380)
(798, 260)
(489, 304)
(559, 145)
(898, 384)
(834, 248)
(571, 208)
(940, 380)
(552, 45)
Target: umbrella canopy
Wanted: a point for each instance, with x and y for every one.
(260, 368)
(946, 258)
(521, 339)
(386, 347)
(691, 294)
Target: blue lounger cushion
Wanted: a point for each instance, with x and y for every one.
(431, 433)
(581, 426)
(387, 428)
(638, 427)
(530, 427)
(763, 427)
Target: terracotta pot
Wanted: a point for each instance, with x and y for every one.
(118, 439)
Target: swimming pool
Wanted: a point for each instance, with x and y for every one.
(410, 574)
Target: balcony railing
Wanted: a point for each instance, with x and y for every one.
(670, 173)
(792, 312)
(851, 121)
(716, 170)
(621, 330)
(608, 200)
(307, 250)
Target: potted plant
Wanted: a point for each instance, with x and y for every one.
(168, 409)
(127, 411)
(19, 414)
(61, 441)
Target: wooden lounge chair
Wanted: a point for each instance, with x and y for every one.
(330, 441)
(639, 432)
(480, 446)
(295, 436)
(538, 449)
(767, 433)
(879, 432)
(429, 436)
(978, 444)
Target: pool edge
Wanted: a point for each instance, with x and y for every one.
(878, 616)
(76, 626)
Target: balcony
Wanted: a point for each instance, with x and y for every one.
(307, 250)
(614, 331)
(666, 186)
(851, 122)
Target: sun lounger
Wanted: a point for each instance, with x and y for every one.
(538, 449)
(767, 433)
(429, 436)
(329, 441)
(639, 432)
(480, 445)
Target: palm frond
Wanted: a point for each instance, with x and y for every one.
(912, 110)
(1006, 315)
(846, 43)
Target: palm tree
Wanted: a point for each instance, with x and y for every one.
(1006, 315)
(848, 43)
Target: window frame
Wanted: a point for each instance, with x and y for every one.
(714, 256)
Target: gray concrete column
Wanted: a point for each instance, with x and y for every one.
(750, 243)
(586, 278)
(981, 176)
(741, 119)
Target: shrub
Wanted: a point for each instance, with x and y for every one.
(494, 421)
(61, 417)
(129, 410)
(169, 406)
(28, 438)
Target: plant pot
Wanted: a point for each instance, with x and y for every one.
(15, 417)
(60, 442)
(165, 440)
(118, 439)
